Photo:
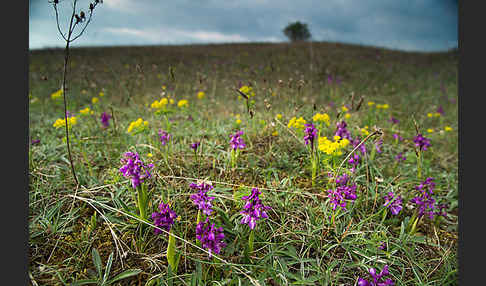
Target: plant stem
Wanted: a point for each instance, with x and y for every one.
(198, 220)
(250, 241)
(419, 165)
(64, 76)
(142, 201)
(314, 163)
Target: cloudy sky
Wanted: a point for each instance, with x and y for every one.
(411, 25)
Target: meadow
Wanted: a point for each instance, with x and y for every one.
(244, 164)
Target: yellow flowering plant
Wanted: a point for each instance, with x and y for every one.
(435, 114)
(297, 123)
(86, 111)
(365, 131)
(321, 119)
(57, 95)
(61, 122)
(237, 120)
(137, 126)
(160, 106)
(247, 90)
(247, 93)
(382, 106)
(331, 149)
(183, 103)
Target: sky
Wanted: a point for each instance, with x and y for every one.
(408, 25)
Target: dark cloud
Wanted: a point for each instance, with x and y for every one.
(409, 25)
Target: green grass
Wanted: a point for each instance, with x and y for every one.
(297, 244)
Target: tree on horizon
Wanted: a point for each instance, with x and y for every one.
(297, 32)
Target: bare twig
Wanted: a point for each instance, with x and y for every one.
(68, 39)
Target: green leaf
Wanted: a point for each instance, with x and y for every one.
(84, 282)
(108, 268)
(178, 258)
(193, 279)
(171, 253)
(96, 261)
(125, 274)
(170, 276)
(124, 206)
(199, 273)
(224, 216)
(241, 192)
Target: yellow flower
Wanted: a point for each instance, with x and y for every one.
(62, 123)
(200, 95)
(347, 115)
(56, 94)
(247, 90)
(238, 121)
(344, 109)
(101, 94)
(278, 116)
(437, 114)
(155, 104)
(275, 133)
(86, 111)
(385, 106)
(138, 125)
(159, 104)
(332, 147)
(150, 155)
(343, 143)
(371, 103)
(448, 128)
(318, 117)
(183, 103)
(430, 130)
(429, 115)
(291, 122)
(171, 101)
(297, 123)
(94, 100)
(365, 130)
(164, 87)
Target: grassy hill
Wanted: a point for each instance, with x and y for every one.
(304, 240)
